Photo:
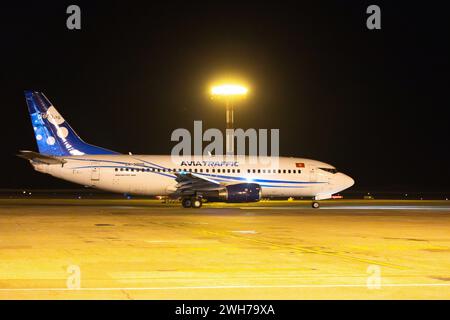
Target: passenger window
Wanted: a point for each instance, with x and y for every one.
(233, 170)
(115, 169)
(228, 170)
(284, 170)
(238, 170)
(213, 170)
(207, 170)
(259, 170)
(289, 171)
(254, 170)
(279, 170)
(299, 171)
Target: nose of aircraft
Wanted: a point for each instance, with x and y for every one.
(347, 181)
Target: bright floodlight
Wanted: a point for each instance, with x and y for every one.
(229, 90)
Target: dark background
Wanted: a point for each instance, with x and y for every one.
(372, 103)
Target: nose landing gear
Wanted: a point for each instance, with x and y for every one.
(315, 205)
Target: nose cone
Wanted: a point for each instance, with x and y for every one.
(347, 181)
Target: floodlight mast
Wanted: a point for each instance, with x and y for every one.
(229, 93)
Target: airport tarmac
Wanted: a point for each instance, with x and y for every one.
(141, 249)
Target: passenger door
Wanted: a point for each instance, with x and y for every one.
(95, 172)
(312, 175)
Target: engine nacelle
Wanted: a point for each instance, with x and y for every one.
(242, 192)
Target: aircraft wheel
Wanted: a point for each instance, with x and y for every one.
(186, 202)
(196, 203)
(315, 205)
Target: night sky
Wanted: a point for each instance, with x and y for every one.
(372, 103)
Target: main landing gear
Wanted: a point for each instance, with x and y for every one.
(315, 205)
(193, 202)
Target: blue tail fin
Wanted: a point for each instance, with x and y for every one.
(54, 136)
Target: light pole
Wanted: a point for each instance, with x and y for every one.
(229, 93)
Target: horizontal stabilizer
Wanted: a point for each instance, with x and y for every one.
(42, 158)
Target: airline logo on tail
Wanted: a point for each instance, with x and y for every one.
(53, 116)
(54, 136)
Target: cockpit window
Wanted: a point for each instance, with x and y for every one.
(330, 170)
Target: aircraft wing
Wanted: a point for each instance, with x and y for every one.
(189, 183)
(38, 157)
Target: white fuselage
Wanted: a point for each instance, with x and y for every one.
(154, 175)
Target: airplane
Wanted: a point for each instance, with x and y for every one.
(195, 179)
